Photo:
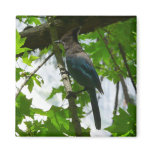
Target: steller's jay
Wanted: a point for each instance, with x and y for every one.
(81, 69)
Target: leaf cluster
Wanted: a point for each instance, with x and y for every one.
(29, 20)
(124, 124)
(58, 121)
(97, 43)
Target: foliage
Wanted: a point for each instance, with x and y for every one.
(20, 49)
(19, 44)
(28, 60)
(121, 32)
(46, 50)
(22, 107)
(124, 124)
(21, 73)
(58, 119)
(29, 20)
(57, 123)
(57, 90)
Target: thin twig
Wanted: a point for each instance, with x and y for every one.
(27, 79)
(75, 94)
(88, 113)
(78, 92)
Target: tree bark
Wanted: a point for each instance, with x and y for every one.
(39, 36)
(65, 78)
(116, 99)
(125, 89)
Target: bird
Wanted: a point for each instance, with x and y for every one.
(82, 70)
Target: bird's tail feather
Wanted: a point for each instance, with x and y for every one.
(95, 108)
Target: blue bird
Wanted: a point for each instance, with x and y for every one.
(82, 70)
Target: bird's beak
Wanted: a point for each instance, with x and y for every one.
(58, 41)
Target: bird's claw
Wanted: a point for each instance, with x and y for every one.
(71, 94)
(74, 94)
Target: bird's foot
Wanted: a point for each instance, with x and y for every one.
(74, 94)
(78, 92)
(71, 94)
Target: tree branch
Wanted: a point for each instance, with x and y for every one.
(28, 78)
(117, 68)
(109, 51)
(39, 36)
(126, 64)
(125, 89)
(65, 77)
(116, 99)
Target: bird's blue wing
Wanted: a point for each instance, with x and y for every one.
(82, 71)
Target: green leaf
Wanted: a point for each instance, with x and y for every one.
(33, 58)
(38, 111)
(18, 71)
(57, 90)
(45, 50)
(20, 17)
(32, 19)
(19, 44)
(58, 117)
(25, 59)
(37, 81)
(124, 124)
(52, 115)
(28, 60)
(86, 132)
(132, 110)
(30, 84)
(51, 130)
(22, 107)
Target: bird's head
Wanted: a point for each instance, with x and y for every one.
(70, 37)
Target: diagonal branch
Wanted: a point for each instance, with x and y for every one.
(126, 64)
(117, 68)
(28, 78)
(65, 78)
(110, 51)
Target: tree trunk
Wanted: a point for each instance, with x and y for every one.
(65, 78)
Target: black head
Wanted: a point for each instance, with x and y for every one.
(69, 38)
(70, 35)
